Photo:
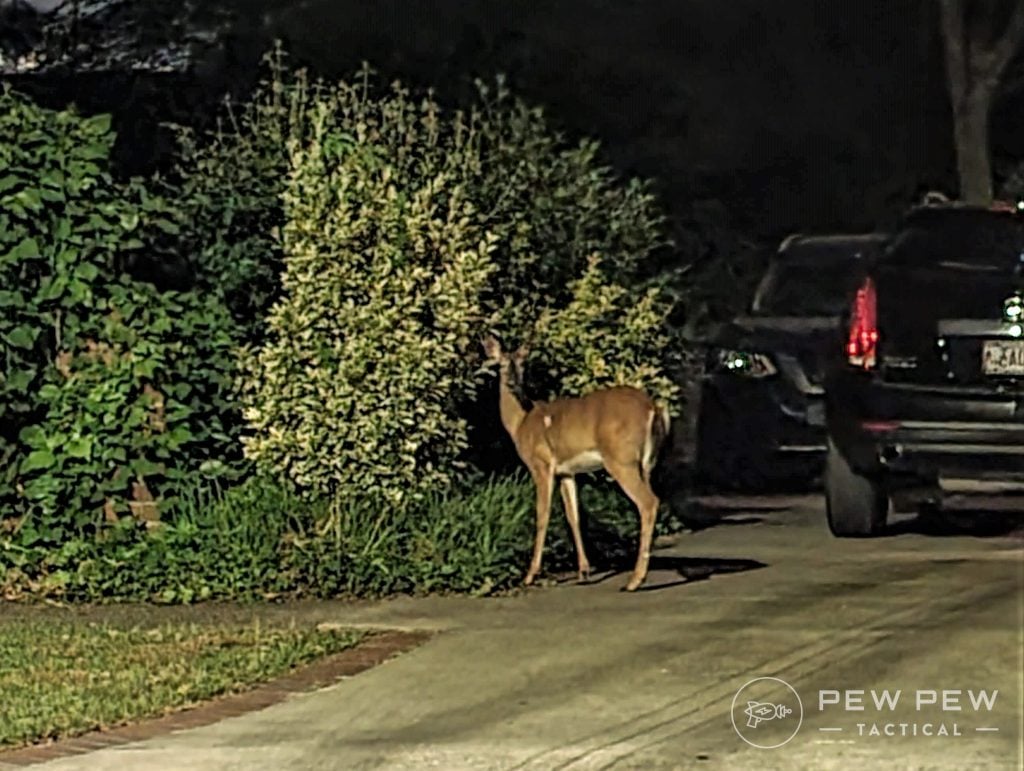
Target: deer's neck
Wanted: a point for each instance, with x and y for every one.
(511, 409)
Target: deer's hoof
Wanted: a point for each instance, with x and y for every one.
(633, 585)
(583, 576)
(528, 580)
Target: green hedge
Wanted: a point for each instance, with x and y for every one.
(111, 390)
(339, 249)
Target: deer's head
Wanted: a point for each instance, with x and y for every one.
(510, 364)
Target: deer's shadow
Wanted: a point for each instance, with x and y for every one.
(688, 570)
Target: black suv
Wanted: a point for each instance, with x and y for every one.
(761, 423)
(927, 396)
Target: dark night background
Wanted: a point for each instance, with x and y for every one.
(760, 118)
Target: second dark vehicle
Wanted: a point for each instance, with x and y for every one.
(762, 418)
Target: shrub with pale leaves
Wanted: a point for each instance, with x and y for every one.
(409, 232)
(604, 336)
(385, 263)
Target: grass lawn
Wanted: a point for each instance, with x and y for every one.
(62, 677)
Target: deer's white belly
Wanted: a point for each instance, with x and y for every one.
(580, 464)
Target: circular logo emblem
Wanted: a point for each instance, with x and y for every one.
(767, 712)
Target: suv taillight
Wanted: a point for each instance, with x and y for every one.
(862, 342)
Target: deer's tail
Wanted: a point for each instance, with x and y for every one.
(658, 426)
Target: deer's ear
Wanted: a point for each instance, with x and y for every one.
(491, 347)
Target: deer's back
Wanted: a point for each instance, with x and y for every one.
(578, 433)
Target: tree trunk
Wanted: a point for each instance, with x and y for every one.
(970, 128)
(978, 48)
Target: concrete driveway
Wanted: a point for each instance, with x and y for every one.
(587, 677)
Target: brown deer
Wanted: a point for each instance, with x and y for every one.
(618, 428)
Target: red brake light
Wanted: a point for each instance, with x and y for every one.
(862, 342)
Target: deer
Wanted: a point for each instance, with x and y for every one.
(618, 428)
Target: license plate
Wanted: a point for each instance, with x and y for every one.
(1003, 357)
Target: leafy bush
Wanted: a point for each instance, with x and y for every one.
(384, 267)
(577, 352)
(409, 230)
(550, 202)
(229, 185)
(569, 233)
(110, 389)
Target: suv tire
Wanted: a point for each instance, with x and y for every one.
(856, 506)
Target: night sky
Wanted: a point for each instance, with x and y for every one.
(796, 115)
(779, 116)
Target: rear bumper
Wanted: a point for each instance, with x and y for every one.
(925, 431)
(949, 437)
(948, 450)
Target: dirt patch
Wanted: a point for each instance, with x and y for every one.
(376, 648)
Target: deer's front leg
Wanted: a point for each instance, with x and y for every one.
(543, 479)
(570, 502)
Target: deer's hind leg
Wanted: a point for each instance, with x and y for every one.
(631, 480)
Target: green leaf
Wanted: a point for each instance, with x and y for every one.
(33, 436)
(52, 288)
(142, 467)
(80, 448)
(100, 124)
(40, 487)
(11, 299)
(52, 178)
(79, 292)
(22, 336)
(145, 369)
(212, 467)
(30, 199)
(167, 226)
(130, 220)
(87, 271)
(26, 248)
(38, 460)
(20, 379)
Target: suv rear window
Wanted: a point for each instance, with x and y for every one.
(802, 289)
(969, 240)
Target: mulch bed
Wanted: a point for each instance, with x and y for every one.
(373, 650)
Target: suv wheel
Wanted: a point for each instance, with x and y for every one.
(856, 505)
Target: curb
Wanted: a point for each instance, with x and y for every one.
(375, 649)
